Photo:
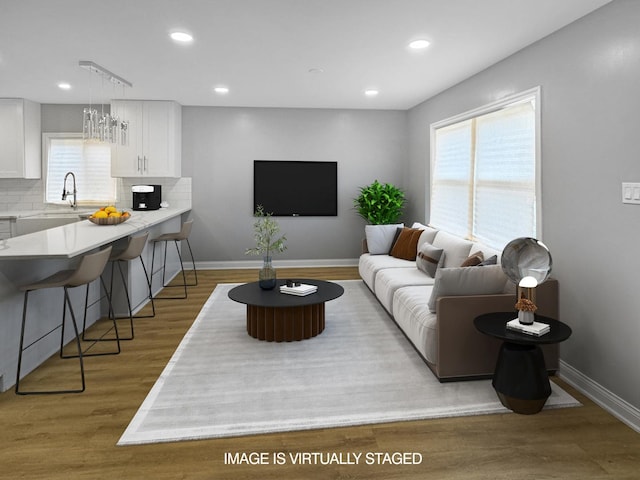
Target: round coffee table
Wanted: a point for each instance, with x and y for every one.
(279, 317)
(521, 379)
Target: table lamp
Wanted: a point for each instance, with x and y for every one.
(526, 262)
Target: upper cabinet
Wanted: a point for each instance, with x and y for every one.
(20, 138)
(155, 139)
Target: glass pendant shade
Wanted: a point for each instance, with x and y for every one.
(103, 127)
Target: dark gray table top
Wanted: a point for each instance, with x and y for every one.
(252, 294)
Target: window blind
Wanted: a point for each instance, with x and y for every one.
(91, 164)
(484, 169)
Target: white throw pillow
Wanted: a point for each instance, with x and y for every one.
(380, 237)
(485, 280)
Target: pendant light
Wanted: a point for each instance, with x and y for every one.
(103, 127)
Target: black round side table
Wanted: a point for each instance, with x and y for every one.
(520, 378)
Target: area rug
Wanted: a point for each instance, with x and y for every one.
(221, 382)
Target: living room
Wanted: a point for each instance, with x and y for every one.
(587, 73)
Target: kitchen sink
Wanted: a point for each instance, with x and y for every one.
(45, 220)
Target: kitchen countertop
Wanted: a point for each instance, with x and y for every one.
(68, 241)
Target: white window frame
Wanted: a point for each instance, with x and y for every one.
(46, 143)
(532, 94)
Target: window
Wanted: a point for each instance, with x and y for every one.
(90, 162)
(485, 180)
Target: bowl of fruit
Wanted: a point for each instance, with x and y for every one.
(109, 216)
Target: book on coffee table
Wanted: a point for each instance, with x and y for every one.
(536, 328)
(301, 290)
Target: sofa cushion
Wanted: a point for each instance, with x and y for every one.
(412, 315)
(429, 258)
(456, 249)
(369, 266)
(389, 280)
(428, 233)
(406, 244)
(473, 259)
(487, 280)
(488, 252)
(380, 237)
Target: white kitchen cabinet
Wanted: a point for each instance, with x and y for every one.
(155, 139)
(20, 138)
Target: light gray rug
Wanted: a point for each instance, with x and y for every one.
(221, 382)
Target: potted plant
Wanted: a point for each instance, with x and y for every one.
(265, 232)
(380, 204)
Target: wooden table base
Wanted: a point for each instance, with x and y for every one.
(285, 324)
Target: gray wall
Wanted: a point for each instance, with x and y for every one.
(589, 73)
(220, 144)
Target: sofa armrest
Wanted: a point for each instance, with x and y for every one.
(465, 352)
(364, 247)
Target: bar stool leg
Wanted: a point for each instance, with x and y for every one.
(146, 274)
(66, 302)
(101, 338)
(184, 284)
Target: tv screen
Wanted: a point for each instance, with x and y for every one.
(296, 188)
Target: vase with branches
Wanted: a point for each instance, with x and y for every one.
(266, 232)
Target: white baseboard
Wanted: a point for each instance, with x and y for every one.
(613, 404)
(220, 265)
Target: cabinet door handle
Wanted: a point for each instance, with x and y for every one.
(139, 163)
(146, 168)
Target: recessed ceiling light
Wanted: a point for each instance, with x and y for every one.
(182, 37)
(221, 90)
(64, 86)
(316, 70)
(419, 44)
(371, 92)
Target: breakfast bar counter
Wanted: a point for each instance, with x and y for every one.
(73, 239)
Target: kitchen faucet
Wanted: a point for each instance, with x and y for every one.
(74, 204)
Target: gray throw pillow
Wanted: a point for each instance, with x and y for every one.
(429, 258)
(492, 260)
(488, 280)
(380, 238)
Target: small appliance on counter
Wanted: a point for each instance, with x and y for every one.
(146, 197)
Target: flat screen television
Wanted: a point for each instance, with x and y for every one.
(296, 188)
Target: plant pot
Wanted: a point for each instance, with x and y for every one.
(267, 275)
(526, 318)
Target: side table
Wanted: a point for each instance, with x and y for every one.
(520, 378)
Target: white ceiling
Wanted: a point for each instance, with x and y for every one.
(263, 50)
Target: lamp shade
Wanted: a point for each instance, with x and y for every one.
(526, 257)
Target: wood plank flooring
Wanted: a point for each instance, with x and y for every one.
(74, 436)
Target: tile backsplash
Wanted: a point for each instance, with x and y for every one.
(18, 195)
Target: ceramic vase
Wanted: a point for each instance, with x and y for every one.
(267, 275)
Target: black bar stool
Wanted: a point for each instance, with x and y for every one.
(183, 234)
(90, 268)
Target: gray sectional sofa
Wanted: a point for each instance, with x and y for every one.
(433, 298)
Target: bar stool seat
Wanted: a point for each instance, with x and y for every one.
(131, 252)
(176, 237)
(89, 269)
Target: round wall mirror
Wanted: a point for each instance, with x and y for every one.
(526, 257)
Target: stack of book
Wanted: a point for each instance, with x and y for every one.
(300, 290)
(536, 328)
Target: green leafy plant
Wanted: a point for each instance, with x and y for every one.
(265, 230)
(380, 203)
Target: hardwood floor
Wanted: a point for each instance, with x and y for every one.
(74, 436)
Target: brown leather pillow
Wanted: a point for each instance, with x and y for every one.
(406, 245)
(473, 260)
